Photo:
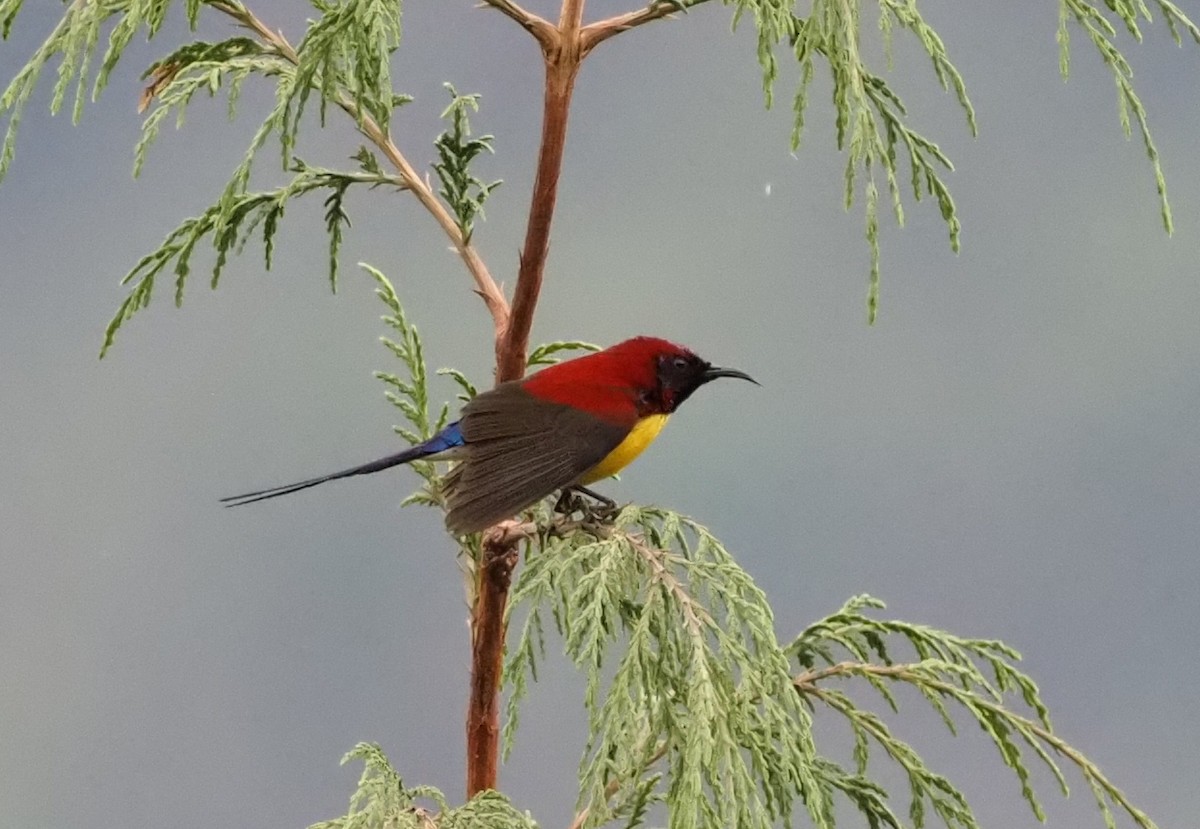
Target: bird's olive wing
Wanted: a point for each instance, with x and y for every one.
(520, 449)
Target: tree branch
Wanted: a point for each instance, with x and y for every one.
(497, 561)
(485, 286)
(596, 33)
(562, 57)
(542, 30)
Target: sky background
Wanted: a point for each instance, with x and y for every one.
(1011, 451)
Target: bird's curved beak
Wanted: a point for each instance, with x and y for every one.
(713, 372)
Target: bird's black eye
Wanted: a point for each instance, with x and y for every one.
(679, 364)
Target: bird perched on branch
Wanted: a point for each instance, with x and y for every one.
(566, 426)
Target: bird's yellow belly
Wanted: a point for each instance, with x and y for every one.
(642, 434)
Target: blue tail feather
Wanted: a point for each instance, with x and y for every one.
(441, 445)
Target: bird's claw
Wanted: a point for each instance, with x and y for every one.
(599, 510)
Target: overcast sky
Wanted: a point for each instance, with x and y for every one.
(1011, 451)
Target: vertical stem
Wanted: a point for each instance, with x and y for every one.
(497, 560)
(562, 53)
(562, 66)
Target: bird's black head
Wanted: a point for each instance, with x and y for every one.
(680, 372)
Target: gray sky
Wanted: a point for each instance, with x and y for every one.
(1012, 451)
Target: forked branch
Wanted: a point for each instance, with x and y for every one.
(564, 48)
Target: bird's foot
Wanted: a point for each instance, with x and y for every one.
(600, 510)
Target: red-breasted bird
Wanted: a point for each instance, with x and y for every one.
(568, 425)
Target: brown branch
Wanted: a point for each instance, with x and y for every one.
(562, 54)
(562, 57)
(497, 560)
(485, 286)
(596, 33)
(541, 29)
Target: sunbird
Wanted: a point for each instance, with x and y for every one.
(566, 426)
